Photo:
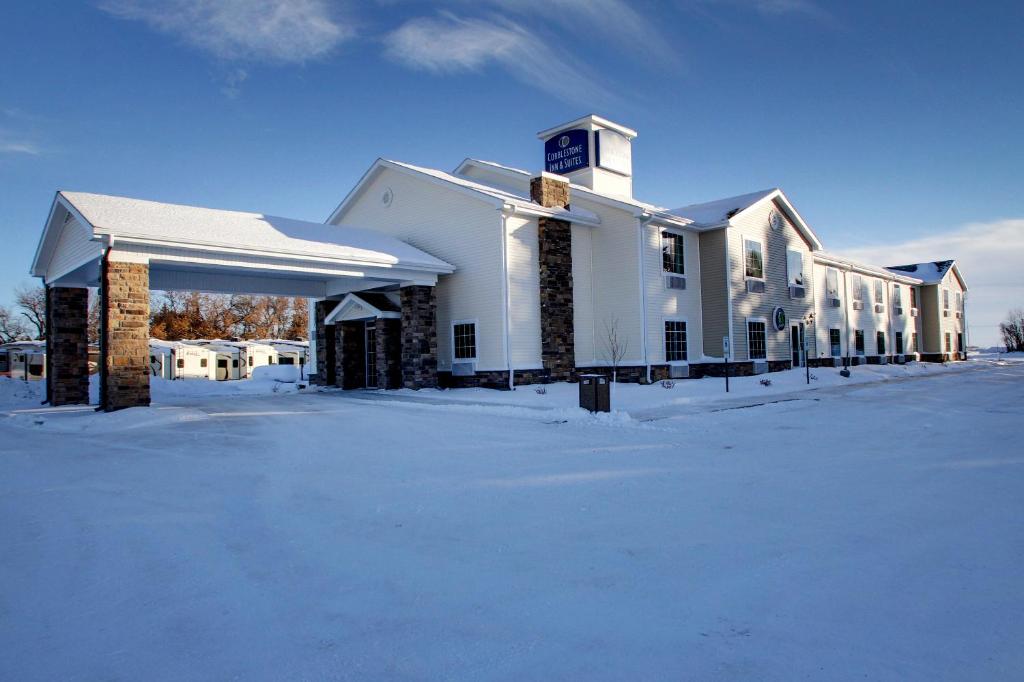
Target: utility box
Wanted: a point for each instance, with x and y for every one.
(595, 393)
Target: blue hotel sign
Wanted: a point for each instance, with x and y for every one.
(568, 151)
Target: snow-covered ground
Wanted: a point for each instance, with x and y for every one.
(855, 531)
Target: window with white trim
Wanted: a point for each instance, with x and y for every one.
(795, 266)
(880, 342)
(464, 340)
(673, 253)
(675, 341)
(913, 343)
(858, 341)
(897, 295)
(754, 259)
(945, 299)
(834, 342)
(879, 292)
(831, 283)
(949, 344)
(898, 339)
(857, 284)
(756, 340)
(913, 297)
(959, 302)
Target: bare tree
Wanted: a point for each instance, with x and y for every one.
(615, 346)
(1013, 330)
(11, 327)
(31, 302)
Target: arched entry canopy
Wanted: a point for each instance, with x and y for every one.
(128, 246)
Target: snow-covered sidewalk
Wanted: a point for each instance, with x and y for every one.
(866, 532)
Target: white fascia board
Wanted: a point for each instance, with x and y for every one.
(381, 164)
(956, 271)
(863, 269)
(209, 248)
(586, 120)
(523, 208)
(794, 215)
(51, 233)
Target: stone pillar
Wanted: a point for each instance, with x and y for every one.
(320, 312)
(67, 346)
(419, 337)
(554, 238)
(124, 343)
(389, 352)
(550, 190)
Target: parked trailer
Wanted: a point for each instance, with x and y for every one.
(227, 361)
(289, 352)
(5, 362)
(26, 360)
(193, 362)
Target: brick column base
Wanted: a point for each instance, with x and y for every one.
(557, 335)
(419, 337)
(67, 346)
(124, 366)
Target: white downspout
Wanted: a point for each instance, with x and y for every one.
(728, 295)
(641, 224)
(506, 291)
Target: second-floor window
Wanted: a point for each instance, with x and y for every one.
(754, 259)
(857, 284)
(672, 253)
(795, 265)
(913, 297)
(897, 295)
(879, 291)
(945, 299)
(831, 283)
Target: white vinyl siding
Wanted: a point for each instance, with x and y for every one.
(458, 229)
(672, 304)
(73, 249)
(753, 224)
(524, 286)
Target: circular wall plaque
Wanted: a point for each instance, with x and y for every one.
(779, 318)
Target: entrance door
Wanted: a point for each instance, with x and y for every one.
(371, 354)
(330, 357)
(796, 344)
(222, 369)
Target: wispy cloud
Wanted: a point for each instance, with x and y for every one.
(809, 9)
(605, 22)
(989, 255)
(275, 31)
(450, 44)
(11, 146)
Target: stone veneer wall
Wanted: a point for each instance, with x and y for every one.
(124, 366)
(389, 353)
(556, 305)
(67, 346)
(320, 312)
(419, 337)
(549, 192)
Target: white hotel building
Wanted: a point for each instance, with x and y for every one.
(495, 276)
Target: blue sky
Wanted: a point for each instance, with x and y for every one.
(896, 128)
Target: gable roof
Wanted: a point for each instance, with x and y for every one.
(139, 220)
(932, 272)
(496, 196)
(720, 210)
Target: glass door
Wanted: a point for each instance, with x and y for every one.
(371, 355)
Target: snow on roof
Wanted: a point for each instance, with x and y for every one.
(720, 210)
(514, 198)
(888, 273)
(929, 273)
(152, 220)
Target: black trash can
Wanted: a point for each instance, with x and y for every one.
(595, 393)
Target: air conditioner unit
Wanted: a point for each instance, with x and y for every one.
(913, 312)
(835, 302)
(760, 366)
(879, 308)
(679, 371)
(675, 282)
(858, 305)
(883, 360)
(463, 369)
(755, 286)
(899, 359)
(797, 292)
(898, 310)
